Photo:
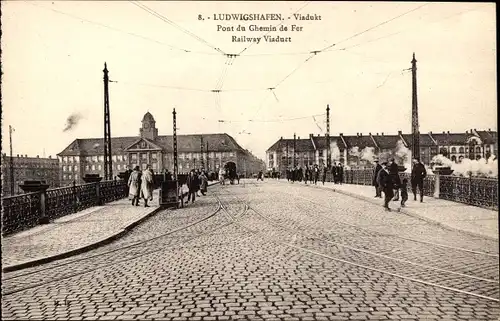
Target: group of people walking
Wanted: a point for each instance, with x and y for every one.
(312, 174)
(197, 182)
(140, 185)
(386, 180)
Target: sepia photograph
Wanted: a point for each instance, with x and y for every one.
(249, 160)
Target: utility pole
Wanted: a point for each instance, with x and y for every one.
(175, 144)
(294, 146)
(11, 162)
(201, 149)
(328, 161)
(108, 165)
(208, 162)
(414, 112)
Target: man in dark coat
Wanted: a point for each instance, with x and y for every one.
(387, 184)
(193, 184)
(418, 174)
(394, 173)
(334, 173)
(378, 167)
(340, 173)
(316, 174)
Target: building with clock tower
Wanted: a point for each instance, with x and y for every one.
(86, 156)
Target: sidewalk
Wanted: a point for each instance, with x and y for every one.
(469, 219)
(76, 233)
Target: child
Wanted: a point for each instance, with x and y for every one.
(404, 192)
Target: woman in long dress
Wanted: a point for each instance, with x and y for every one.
(134, 182)
(147, 186)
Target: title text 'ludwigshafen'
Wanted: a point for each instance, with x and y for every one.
(247, 16)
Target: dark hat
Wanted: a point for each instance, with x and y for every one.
(384, 163)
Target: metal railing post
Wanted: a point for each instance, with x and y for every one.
(437, 188)
(43, 208)
(98, 193)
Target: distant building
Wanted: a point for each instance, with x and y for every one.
(86, 156)
(29, 168)
(349, 150)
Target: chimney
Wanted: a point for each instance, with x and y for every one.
(17, 155)
(382, 133)
(50, 156)
(311, 135)
(360, 134)
(444, 132)
(377, 134)
(318, 135)
(298, 137)
(37, 156)
(430, 133)
(400, 133)
(448, 132)
(466, 131)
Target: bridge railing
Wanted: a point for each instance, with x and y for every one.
(476, 191)
(24, 211)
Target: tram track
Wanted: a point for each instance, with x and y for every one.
(469, 280)
(376, 233)
(139, 246)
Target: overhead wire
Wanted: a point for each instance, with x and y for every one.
(279, 24)
(118, 30)
(170, 22)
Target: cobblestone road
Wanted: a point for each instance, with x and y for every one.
(268, 251)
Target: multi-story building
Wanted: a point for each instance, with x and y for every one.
(28, 169)
(356, 150)
(86, 156)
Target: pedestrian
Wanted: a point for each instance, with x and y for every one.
(260, 176)
(134, 182)
(203, 183)
(325, 170)
(387, 183)
(192, 183)
(334, 173)
(340, 173)
(418, 174)
(404, 192)
(300, 174)
(377, 169)
(147, 182)
(394, 172)
(316, 174)
(221, 176)
(307, 174)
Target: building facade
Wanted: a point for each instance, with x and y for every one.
(357, 150)
(86, 156)
(28, 169)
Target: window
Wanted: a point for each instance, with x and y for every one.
(70, 159)
(69, 176)
(93, 167)
(124, 157)
(64, 168)
(155, 166)
(231, 154)
(101, 158)
(453, 150)
(99, 167)
(75, 168)
(320, 153)
(119, 166)
(65, 159)
(144, 166)
(76, 176)
(154, 156)
(478, 149)
(134, 157)
(461, 150)
(65, 176)
(94, 158)
(144, 156)
(114, 158)
(87, 167)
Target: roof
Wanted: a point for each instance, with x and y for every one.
(425, 140)
(148, 117)
(320, 141)
(452, 138)
(303, 145)
(185, 144)
(488, 137)
(359, 141)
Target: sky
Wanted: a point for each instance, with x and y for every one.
(161, 56)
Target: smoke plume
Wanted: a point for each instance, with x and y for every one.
(368, 154)
(402, 155)
(467, 167)
(354, 151)
(334, 149)
(72, 121)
